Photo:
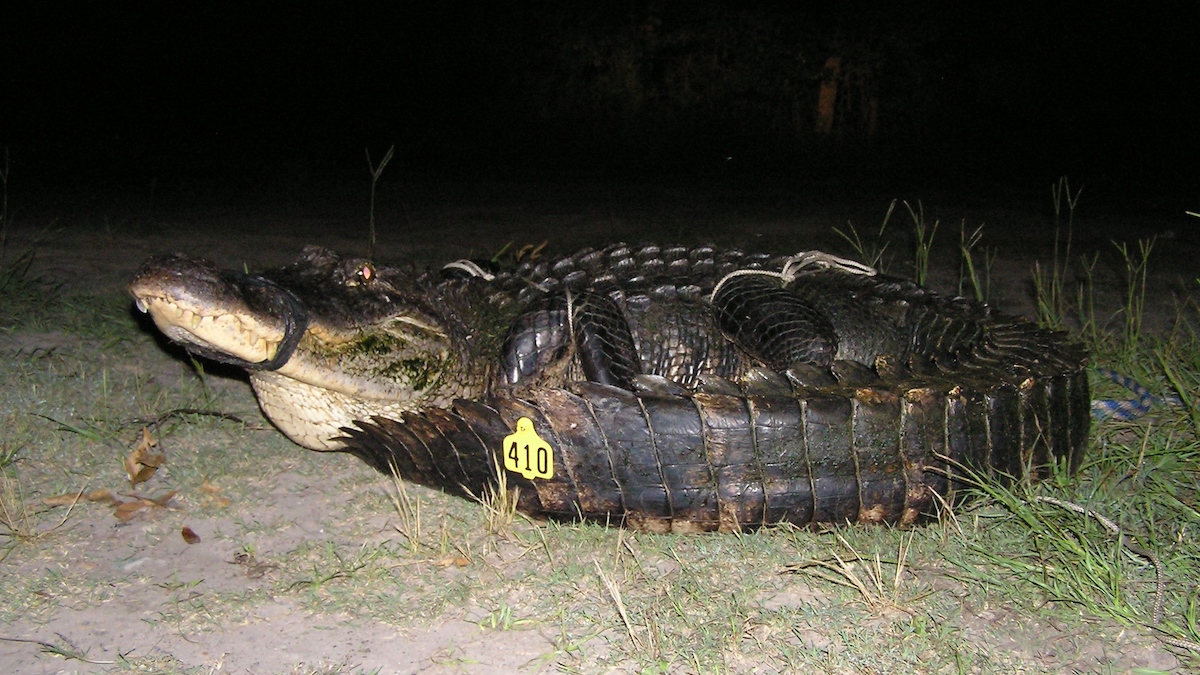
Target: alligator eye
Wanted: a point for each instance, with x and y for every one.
(365, 274)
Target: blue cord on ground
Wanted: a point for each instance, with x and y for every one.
(1131, 408)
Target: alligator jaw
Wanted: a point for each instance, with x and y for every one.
(216, 314)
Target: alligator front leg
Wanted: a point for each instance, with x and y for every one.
(587, 327)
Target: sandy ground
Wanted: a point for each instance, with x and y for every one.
(130, 581)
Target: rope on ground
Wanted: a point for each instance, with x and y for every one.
(1160, 578)
(1127, 409)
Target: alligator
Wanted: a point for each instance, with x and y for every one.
(662, 389)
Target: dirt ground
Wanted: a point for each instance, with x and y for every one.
(123, 591)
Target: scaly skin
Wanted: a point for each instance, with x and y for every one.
(895, 387)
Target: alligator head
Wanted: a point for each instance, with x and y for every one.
(327, 340)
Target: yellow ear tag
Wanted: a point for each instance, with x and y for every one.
(527, 453)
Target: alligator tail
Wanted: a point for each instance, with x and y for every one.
(722, 462)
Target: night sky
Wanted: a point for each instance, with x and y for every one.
(113, 97)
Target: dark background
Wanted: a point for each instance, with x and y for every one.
(282, 98)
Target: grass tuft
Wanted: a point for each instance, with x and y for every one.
(408, 509)
(870, 251)
(968, 245)
(1136, 266)
(499, 502)
(865, 575)
(376, 172)
(20, 520)
(1068, 559)
(20, 294)
(1051, 286)
(924, 234)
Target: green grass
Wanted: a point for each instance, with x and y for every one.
(1052, 285)
(871, 250)
(974, 275)
(1118, 540)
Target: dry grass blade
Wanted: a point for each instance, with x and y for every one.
(864, 575)
(500, 502)
(376, 172)
(530, 252)
(408, 509)
(17, 521)
(615, 594)
(67, 650)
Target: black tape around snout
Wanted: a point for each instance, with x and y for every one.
(295, 323)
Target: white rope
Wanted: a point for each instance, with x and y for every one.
(471, 267)
(801, 263)
(822, 260)
(571, 316)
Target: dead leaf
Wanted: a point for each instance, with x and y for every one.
(101, 495)
(148, 442)
(163, 499)
(213, 495)
(142, 462)
(143, 474)
(457, 561)
(127, 510)
(189, 535)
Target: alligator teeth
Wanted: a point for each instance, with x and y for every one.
(141, 305)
